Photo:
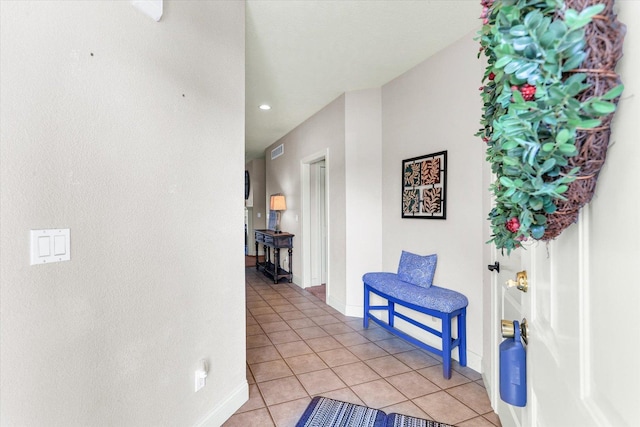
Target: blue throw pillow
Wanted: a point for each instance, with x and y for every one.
(417, 269)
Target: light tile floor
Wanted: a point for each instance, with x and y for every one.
(299, 347)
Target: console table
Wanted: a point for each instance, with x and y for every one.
(276, 241)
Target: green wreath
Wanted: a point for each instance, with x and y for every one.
(531, 110)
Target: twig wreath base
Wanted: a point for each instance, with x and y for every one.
(604, 37)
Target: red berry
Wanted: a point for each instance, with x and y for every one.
(528, 92)
(492, 76)
(513, 225)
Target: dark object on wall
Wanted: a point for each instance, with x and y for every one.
(424, 186)
(247, 184)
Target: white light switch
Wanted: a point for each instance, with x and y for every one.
(49, 246)
(59, 245)
(44, 246)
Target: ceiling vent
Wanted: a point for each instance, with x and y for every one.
(277, 152)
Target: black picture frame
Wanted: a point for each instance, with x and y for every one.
(424, 186)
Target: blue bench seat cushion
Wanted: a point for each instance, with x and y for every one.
(433, 297)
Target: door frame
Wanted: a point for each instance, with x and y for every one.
(305, 191)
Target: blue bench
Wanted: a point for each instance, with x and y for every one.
(434, 301)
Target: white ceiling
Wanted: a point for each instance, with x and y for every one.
(302, 54)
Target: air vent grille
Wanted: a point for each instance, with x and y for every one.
(277, 152)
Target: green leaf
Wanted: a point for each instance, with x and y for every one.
(500, 63)
(574, 61)
(558, 28)
(562, 189)
(521, 43)
(518, 197)
(603, 107)
(509, 144)
(549, 146)
(575, 20)
(509, 192)
(510, 161)
(507, 182)
(513, 66)
(517, 97)
(518, 31)
(535, 203)
(575, 78)
(567, 149)
(589, 124)
(550, 208)
(547, 165)
(533, 20)
(525, 71)
(614, 93)
(563, 136)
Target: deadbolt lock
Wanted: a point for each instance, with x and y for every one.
(509, 332)
(521, 281)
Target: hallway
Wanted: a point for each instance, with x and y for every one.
(299, 347)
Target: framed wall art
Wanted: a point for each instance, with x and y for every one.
(424, 186)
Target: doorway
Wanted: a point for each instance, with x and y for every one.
(315, 224)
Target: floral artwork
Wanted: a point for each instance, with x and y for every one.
(424, 186)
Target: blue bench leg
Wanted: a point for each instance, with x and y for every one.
(446, 346)
(462, 336)
(365, 320)
(392, 313)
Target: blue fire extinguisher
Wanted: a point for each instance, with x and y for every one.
(513, 369)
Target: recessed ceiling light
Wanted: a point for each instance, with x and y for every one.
(265, 107)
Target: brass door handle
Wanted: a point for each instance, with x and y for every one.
(521, 281)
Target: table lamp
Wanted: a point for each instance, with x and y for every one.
(278, 204)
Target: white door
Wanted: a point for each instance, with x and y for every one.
(318, 220)
(510, 303)
(581, 359)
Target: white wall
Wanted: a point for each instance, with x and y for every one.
(130, 133)
(615, 250)
(431, 108)
(363, 160)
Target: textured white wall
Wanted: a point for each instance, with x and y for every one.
(615, 247)
(130, 133)
(363, 189)
(434, 107)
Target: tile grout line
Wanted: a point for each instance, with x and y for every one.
(262, 294)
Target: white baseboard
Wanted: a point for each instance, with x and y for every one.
(225, 409)
(337, 304)
(354, 311)
(474, 360)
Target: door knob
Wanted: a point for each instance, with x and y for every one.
(508, 331)
(494, 267)
(521, 281)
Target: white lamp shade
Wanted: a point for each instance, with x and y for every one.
(278, 203)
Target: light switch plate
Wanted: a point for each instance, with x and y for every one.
(53, 245)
